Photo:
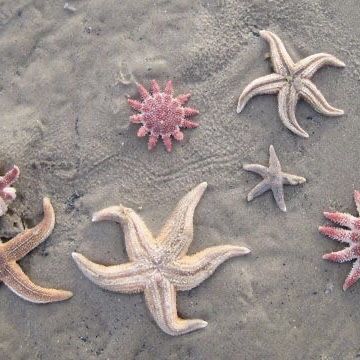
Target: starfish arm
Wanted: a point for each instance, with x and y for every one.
(139, 241)
(125, 278)
(189, 271)
(256, 168)
(153, 139)
(183, 98)
(280, 58)
(23, 243)
(142, 91)
(268, 84)
(309, 66)
(357, 200)
(339, 234)
(317, 100)
(18, 282)
(290, 179)
(354, 275)
(155, 88)
(343, 219)
(177, 234)
(167, 142)
(278, 192)
(259, 189)
(160, 298)
(169, 89)
(274, 162)
(288, 99)
(8, 194)
(341, 256)
(10, 177)
(136, 105)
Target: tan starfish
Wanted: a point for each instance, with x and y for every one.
(274, 179)
(159, 266)
(291, 81)
(15, 249)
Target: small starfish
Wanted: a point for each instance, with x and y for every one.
(7, 193)
(291, 81)
(159, 266)
(351, 237)
(274, 179)
(15, 249)
(162, 114)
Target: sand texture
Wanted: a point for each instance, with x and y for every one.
(64, 121)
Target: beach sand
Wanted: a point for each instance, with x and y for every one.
(64, 80)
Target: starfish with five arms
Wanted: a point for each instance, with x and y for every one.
(291, 81)
(15, 249)
(7, 193)
(350, 236)
(274, 179)
(159, 266)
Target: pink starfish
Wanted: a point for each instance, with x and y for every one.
(162, 114)
(7, 193)
(351, 237)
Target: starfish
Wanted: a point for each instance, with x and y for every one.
(159, 266)
(162, 114)
(291, 81)
(15, 249)
(350, 237)
(274, 179)
(7, 193)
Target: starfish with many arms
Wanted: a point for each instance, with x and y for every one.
(274, 179)
(7, 193)
(350, 236)
(162, 114)
(159, 266)
(291, 81)
(15, 249)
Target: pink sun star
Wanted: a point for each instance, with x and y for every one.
(161, 114)
(350, 236)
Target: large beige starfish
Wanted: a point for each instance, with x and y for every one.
(159, 266)
(15, 249)
(291, 81)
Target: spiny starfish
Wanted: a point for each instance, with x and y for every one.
(291, 81)
(162, 114)
(7, 193)
(15, 249)
(159, 266)
(351, 237)
(274, 179)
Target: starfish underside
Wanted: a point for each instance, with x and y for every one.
(274, 179)
(15, 249)
(291, 81)
(7, 193)
(349, 234)
(162, 115)
(159, 266)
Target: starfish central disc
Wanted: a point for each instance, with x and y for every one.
(158, 110)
